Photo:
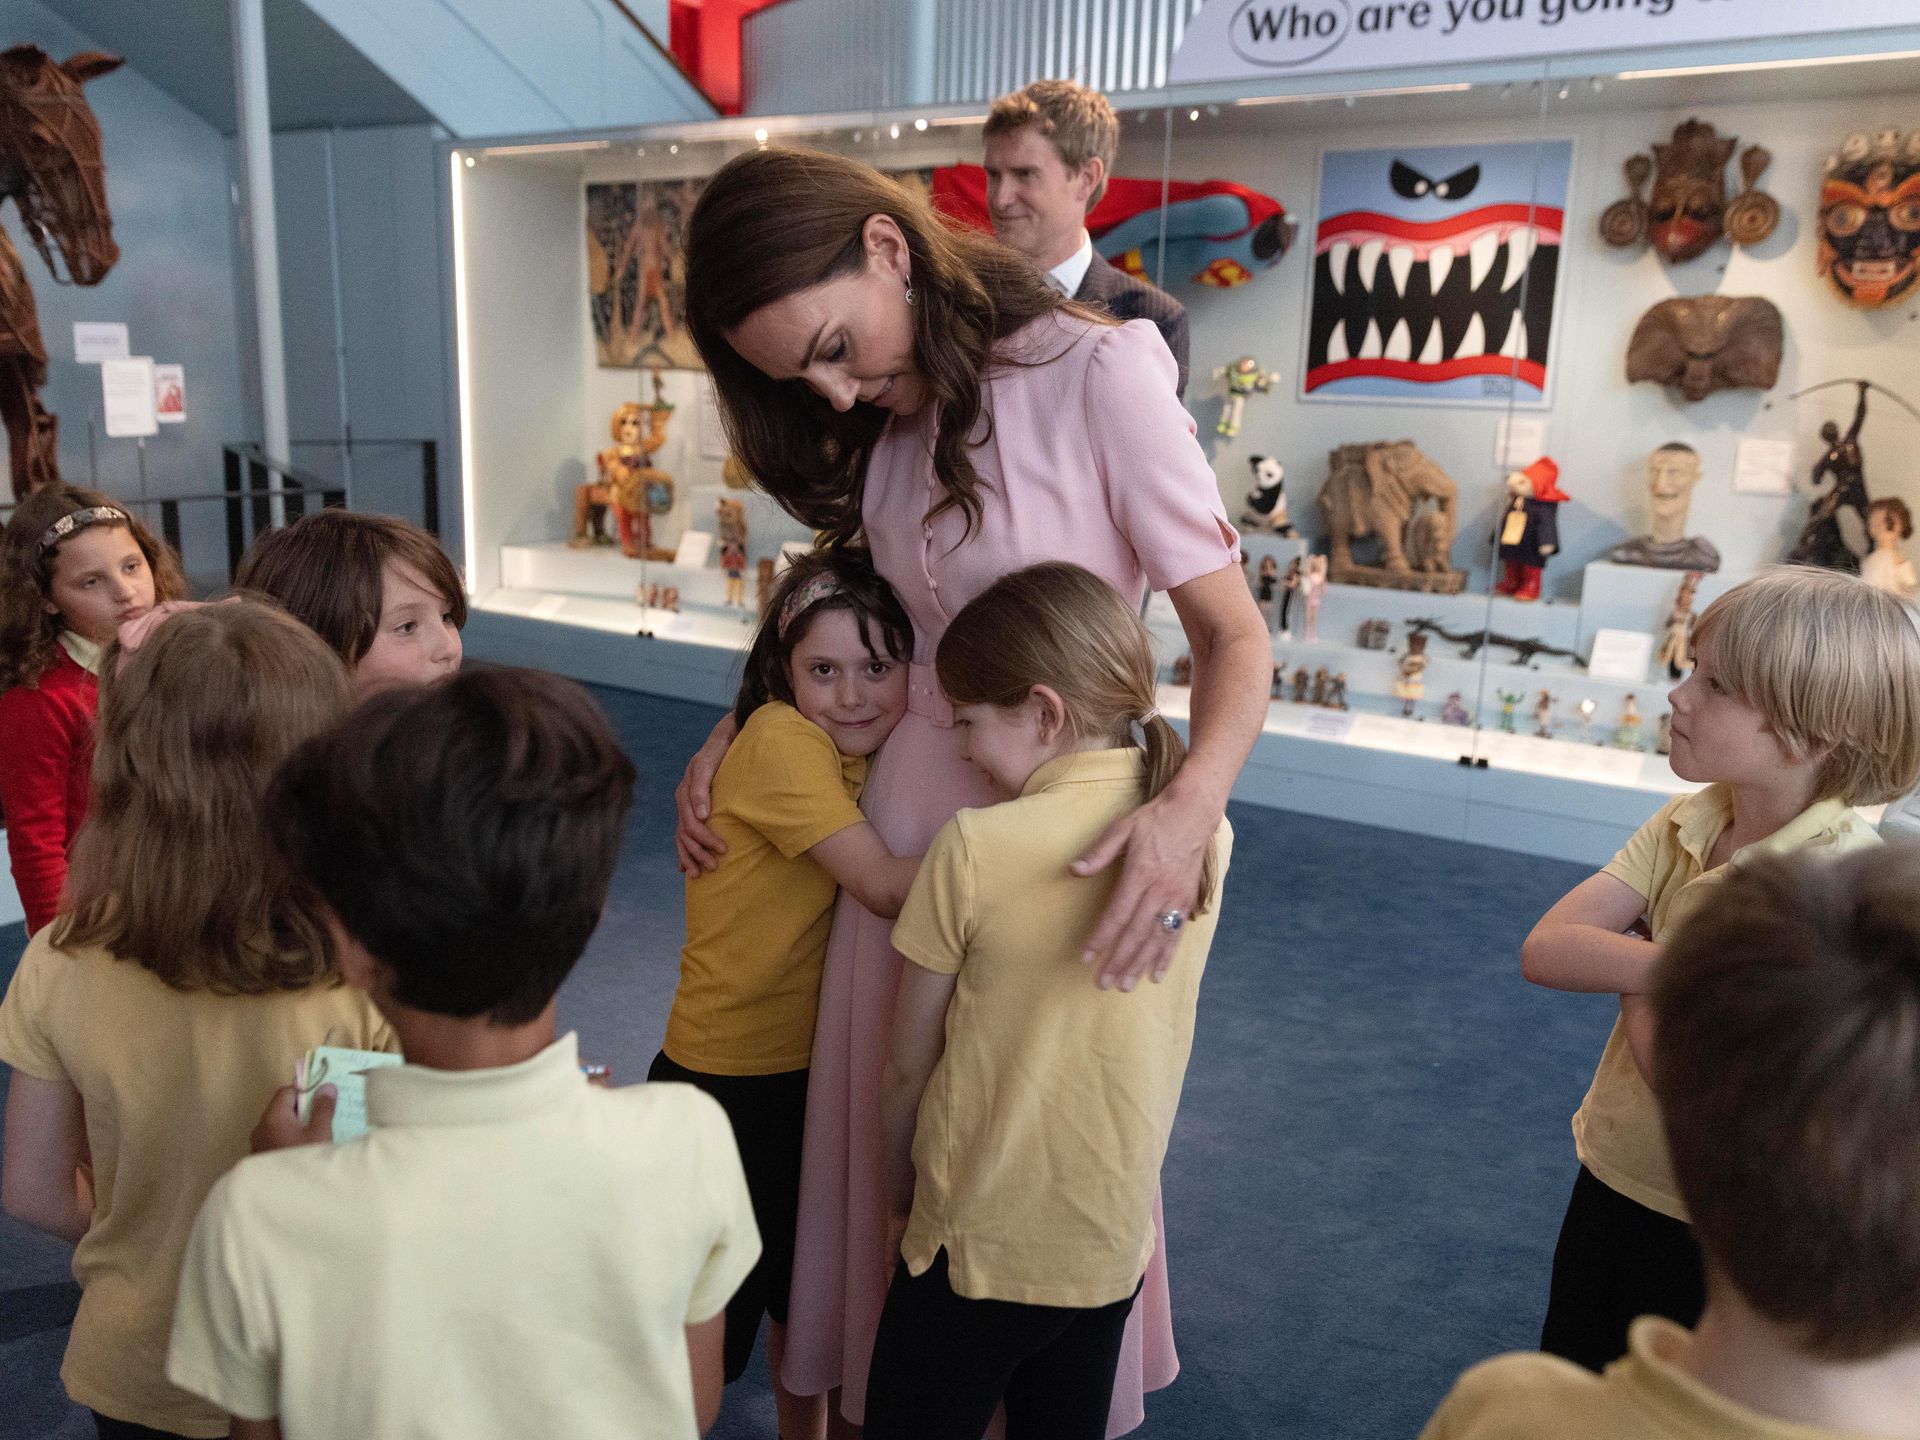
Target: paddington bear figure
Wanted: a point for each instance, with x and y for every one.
(1530, 529)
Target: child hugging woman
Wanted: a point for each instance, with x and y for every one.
(825, 683)
(74, 565)
(1026, 1109)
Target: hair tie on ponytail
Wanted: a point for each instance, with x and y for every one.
(1153, 714)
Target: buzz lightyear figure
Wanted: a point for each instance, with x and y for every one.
(1244, 377)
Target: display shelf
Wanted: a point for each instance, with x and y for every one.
(602, 572)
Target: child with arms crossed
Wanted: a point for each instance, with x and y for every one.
(1786, 1043)
(825, 683)
(509, 1251)
(74, 565)
(379, 591)
(1027, 1110)
(185, 979)
(1805, 703)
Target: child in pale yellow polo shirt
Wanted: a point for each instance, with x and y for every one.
(1027, 1109)
(509, 1251)
(823, 686)
(1786, 1039)
(186, 977)
(1805, 701)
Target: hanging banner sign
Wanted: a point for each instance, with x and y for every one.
(1241, 39)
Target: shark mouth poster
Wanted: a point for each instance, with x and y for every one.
(1434, 273)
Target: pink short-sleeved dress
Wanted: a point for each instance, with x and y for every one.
(1090, 458)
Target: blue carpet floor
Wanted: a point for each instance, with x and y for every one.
(1372, 1153)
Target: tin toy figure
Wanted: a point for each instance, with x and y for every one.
(1508, 703)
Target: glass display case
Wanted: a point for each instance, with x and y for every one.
(1416, 307)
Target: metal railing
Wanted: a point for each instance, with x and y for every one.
(429, 468)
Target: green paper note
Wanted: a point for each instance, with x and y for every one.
(344, 1070)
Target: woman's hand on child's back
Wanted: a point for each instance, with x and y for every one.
(1164, 845)
(280, 1127)
(695, 841)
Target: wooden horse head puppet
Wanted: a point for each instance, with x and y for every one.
(50, 164)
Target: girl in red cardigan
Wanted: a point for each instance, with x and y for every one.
(74, 564)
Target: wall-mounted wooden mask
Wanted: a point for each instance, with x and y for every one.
(1712, 342)
(1870, 219)
(1689, 211)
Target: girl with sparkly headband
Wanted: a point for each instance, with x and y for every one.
(1027, 1108)
(74, 565)
(825, 683)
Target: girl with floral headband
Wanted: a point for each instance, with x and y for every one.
(74, 566)
(824, 684)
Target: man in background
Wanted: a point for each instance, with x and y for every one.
(1050, 149)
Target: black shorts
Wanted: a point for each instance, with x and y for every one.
(768, 1114)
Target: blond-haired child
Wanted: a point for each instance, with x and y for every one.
(1787, 1039)
(1026, 1109)
(1804, 704)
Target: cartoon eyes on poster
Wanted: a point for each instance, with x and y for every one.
(1434, 272)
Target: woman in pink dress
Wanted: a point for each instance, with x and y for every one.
(882, 373)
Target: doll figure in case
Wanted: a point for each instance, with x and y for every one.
(1313, 586)
(1244, 377)
(1265, 588)
(1300, 682)
(627, 483)
(1509, 705)
(1676, 640)
(731, 519)
(1265, 507)
(1889, 521)
(1289, 587)
(1411, 686)
(1543, 715)
(1337, 691)
(1626, 734)
(1529, 530)
(1453, 710)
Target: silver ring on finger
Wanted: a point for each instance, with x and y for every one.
(1171, 920)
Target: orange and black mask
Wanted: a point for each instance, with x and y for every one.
(1870, 221)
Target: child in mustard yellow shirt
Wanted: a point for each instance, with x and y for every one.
(1787, 1062)
(1026, 1109)
(825, 683)
(1805, 702)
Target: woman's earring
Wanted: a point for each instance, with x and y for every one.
(909, 292)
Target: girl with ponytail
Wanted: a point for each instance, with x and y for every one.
(1026, 1106)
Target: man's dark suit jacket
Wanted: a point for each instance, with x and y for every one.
(1132, 299)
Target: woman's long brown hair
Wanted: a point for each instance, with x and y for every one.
(173, 869)
(774, 222)
(29, 636)
(1062, 626)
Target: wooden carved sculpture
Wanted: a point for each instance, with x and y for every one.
(1708, 343)
(1394, 493)
(1689, 211)
(50, 165)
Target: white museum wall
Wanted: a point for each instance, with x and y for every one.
(526, 309)
(1599, 428)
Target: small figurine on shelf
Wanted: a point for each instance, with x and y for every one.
(1313, 587)
(1835, 535)
(1289, 587)
(1183, 670)
(1300, 686)
(1374, 634)
(1320, 678)
(1453, 710)
(1337, 692)
(1265, 507)
(1543, 715)
(627, 484)
(1626, 735)
(1508, 705)
(1244, 377)
(1586, 708)
(1264, 593)
(1888, 523)
(1411, 687)
(731, 520)
(658, 597)
(1278, 689)
(1530, 530)
(1676, 640)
